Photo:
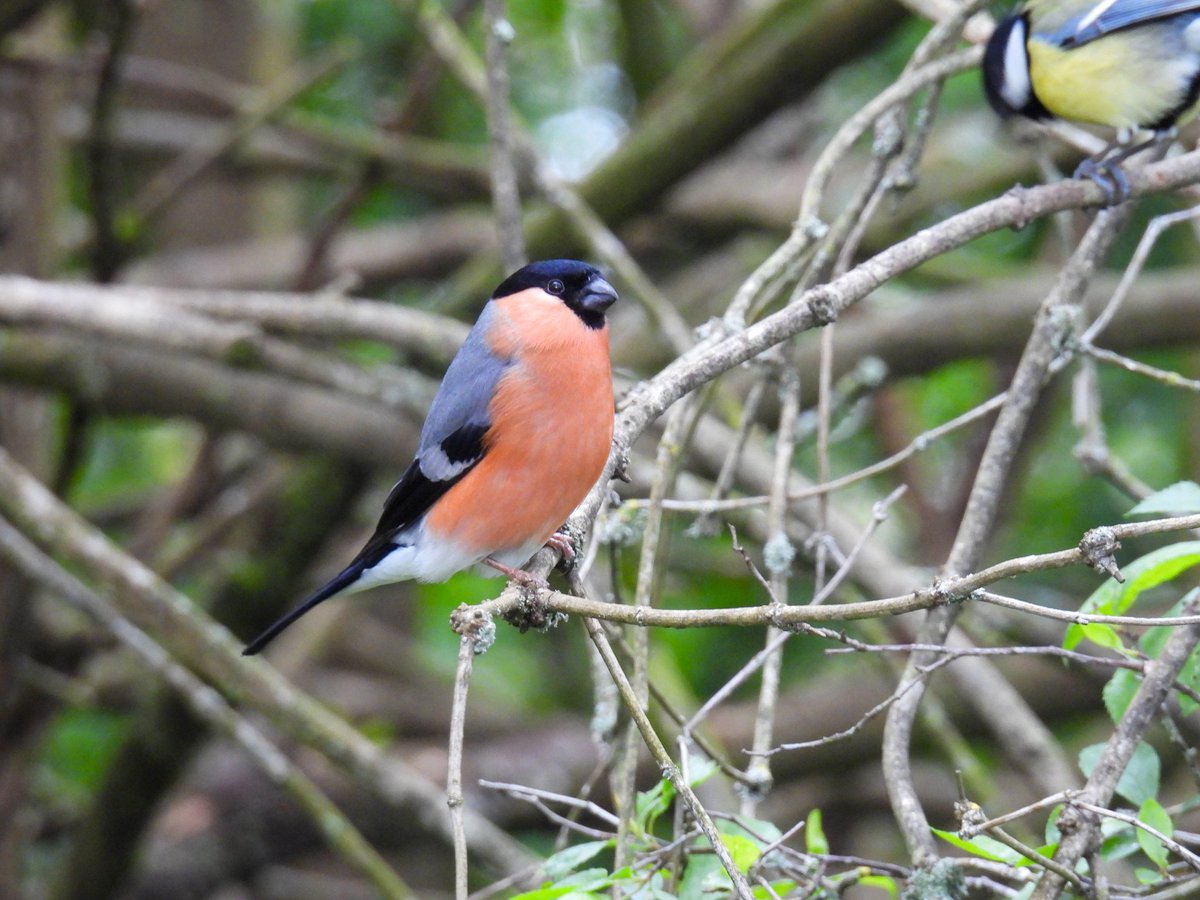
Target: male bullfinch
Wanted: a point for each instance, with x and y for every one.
(517, 435)
(1128, 64)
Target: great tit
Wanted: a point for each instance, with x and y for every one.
(1128, 64)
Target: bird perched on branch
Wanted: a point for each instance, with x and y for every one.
(518, 433)
(1127, 64)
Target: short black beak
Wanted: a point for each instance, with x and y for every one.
(598, 296)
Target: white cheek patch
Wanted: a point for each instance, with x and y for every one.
(1016, 88)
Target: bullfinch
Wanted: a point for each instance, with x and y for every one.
(1127, 64)
(518, 433)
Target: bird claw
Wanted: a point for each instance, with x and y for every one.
(1106, 174)
(566, 549)
(1105, 168)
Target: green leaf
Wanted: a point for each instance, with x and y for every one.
(744, 851)
(1052, 834)
(1147, 876)
(1118, 844)
(982, 846)
(577, 886)
(1190, 676)
(1103, 636)
(1156, 817)
(653, 803)
(566, 861)
(1139, 782)
(1119, 692)
(1072, 636)
(882, 882)
(781, 889)
(544, 893)
(704, 877)
(814, 834)
(1178, 499)
(1151, 570)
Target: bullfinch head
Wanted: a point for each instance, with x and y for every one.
(1127, 64)
(576, 284)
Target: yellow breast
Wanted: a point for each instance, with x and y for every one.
(1134, 88)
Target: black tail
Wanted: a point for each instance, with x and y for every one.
(336, 585)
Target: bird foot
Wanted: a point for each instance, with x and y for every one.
(520, 576)
(1105, 168)
(1107, 175)
(565, 547)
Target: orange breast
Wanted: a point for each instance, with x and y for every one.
(552, 424)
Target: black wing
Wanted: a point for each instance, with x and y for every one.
(416, 492)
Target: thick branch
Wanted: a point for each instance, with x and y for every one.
(131, 380)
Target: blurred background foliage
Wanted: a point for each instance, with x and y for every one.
(585, 75)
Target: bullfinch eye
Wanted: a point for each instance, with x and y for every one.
(556, 287)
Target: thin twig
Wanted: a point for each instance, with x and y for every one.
(670, 450)
(1174, 846)
(968, 829)
(778, 555)
(663, 759)
(864, 719)
(1077, 618)
(1137, 262)
(879, 514)
(108, 249)
(1033, 856)
(918, 444)
(749, 413)
(1163, 376)
(523, 792)
(454, 789)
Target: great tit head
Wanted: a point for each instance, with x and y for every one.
(1006, 81)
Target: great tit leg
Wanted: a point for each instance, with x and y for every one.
(1105, 168)
(1107, 175)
